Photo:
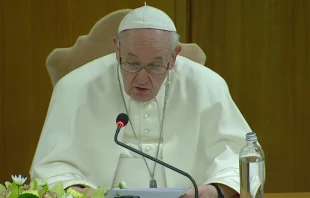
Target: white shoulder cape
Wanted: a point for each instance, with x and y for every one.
(203, 131)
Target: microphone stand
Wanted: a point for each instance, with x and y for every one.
(155, 160)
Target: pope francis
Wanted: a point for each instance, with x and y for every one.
(179, 111)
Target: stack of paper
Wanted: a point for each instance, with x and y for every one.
(149, 192)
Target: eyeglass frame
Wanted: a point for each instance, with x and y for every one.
(141, 65)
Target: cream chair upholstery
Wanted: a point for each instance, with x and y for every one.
(98, 43)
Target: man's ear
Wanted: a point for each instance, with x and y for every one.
(116, 45)
(174, 55)
(115, 42)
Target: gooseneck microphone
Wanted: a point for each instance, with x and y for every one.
(121, 121)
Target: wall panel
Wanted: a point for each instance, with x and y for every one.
(261, 48)
(30, 30)
(2, 147)
(19, 93)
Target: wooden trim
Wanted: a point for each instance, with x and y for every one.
(182, 19)
(2, 148)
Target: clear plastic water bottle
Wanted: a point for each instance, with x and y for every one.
(252, 168)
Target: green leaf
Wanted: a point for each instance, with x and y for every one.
(13, 195)
(59, 189)
(28, 195)
(33, 185)
(7, 184)
(43, 190)
(2, 188)
(99, 193)
(13, 188)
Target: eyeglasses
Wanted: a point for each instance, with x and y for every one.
(135, 67)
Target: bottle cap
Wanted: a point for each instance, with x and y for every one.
(251, 136)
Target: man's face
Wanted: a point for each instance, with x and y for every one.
(145, 47)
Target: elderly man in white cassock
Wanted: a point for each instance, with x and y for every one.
(179, 111)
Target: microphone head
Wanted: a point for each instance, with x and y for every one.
(122, 119)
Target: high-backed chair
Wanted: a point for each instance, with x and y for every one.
(98, 43)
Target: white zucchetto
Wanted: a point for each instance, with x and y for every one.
(147, 17)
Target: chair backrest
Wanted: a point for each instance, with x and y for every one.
(98, 43)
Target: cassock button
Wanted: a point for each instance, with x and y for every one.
(146, 131)
(146, 115)
(147, 149)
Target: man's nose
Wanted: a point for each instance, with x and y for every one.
(143, 76)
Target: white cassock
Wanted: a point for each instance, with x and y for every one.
(203, 130)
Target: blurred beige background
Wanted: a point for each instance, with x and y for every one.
(260, 47)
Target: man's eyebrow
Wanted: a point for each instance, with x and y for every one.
(131, 54)
(158, 58)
